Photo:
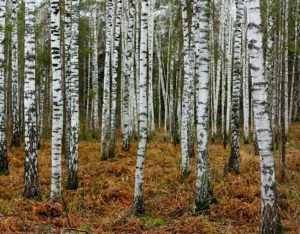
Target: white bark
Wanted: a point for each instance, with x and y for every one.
(139, 174)
(74, 99)
(107, 74)
(32, 184)
(57, 111)
(270, 216)
(95, 83)
(128, 74)
(186, 92)
(3, 147)
(202, 199)
(15, 75)
(234, 160)
(68, 36)
(114, 71)
(151, 125)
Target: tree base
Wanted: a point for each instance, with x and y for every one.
(271, 221)
(4, 170)
(72, 183)
(32, 193)
(139, 206)
(229, 168)
(202, 207)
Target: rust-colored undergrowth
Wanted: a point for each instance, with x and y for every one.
(104, 200)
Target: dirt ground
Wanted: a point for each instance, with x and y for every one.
(104, 200)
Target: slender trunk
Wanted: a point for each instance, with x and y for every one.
(234, 159)
(3, 113)
(262, 122)
(72, 170)
(203, 188)
(114, 72)
(128, 75)
(68, 36)
(107, 74)
(32, 183)
(57, 111)
(15, 76)
(95, 83)
(139, 174)
(186, 92)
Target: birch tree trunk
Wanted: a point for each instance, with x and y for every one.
(186, 92)
(294, 75)
(245, 82)
(57, 111)
(114, 71)
(234, 159)
(128, 74)
(32, 184)
(15, 75)
(150, 67)
(3, 147)
(107, 74)
(67, 41)
(202, 200)
(95, 84)
(143, 119)
(270, 215)
(72, 164)
(286, 68)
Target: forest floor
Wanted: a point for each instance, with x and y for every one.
(104, 200)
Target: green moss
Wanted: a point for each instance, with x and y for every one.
(86, 228)
(153, 222)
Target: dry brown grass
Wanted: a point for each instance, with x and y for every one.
(103, 202)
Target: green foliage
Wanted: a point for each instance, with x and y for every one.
(86, 228)
(152, 222)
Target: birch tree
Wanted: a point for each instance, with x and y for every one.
(114, 74)
(107, 74)
(150, 67)
(186, 91)
(95, 86)
(15, 75)
(262, 123)
(3, 147)
(203, 190)
(143, 120)
(67, 43)
(234, 159)
(32, 184)
(128, 73)
(72, 164)
(57, 111)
